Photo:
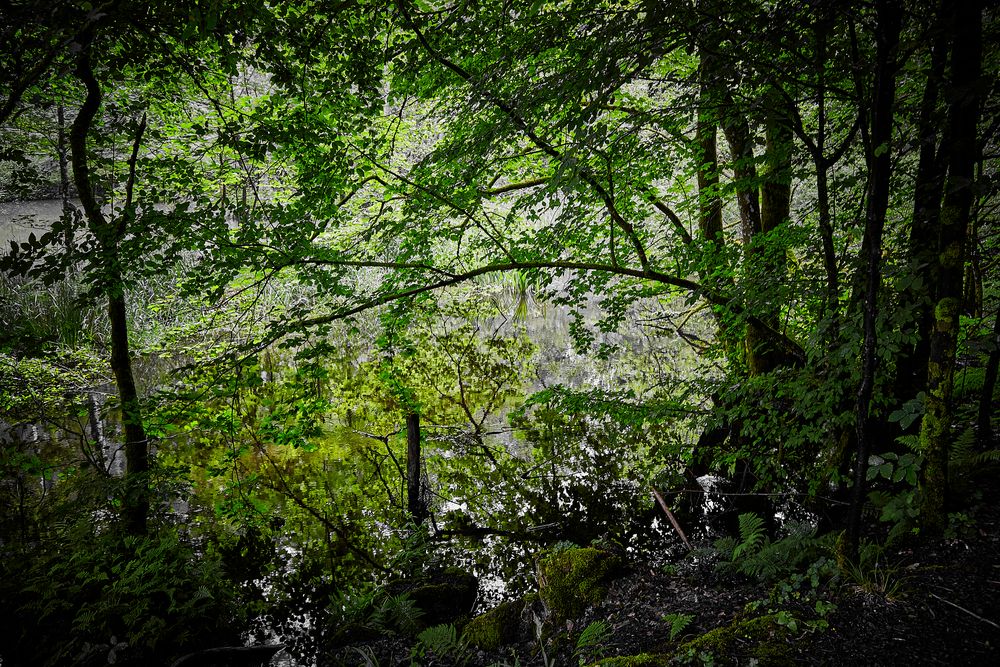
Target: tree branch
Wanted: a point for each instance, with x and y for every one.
(523, 126)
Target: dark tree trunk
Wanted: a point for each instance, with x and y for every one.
(822, 166)
(108, 234)
(63, 154)
(963, 120)
(414, 496)
(985, 425)
(716, 273)
(889, 17)
(911, 364)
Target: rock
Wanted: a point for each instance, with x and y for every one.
(444, 596)
(500, 625)
(570, 580)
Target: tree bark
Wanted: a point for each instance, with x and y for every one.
(985, 424)
(963, 120)
(414, 498)
(889, 25)
(716, 271)
(62, 151)
(108, 234)
(911, 364)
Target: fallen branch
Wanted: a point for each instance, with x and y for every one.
(673, 519)
(972, 614)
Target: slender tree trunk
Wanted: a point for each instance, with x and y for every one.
(108, 234)
(822, 167)
(716, 272)
(985, 425)
(63, 153)
(963, 120)
(889, 17)
(414, 497)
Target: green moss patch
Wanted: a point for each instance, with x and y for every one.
(496, 627)
(762, 639)
(641, 660)
(571, 580)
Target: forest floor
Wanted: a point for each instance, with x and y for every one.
(924, 605)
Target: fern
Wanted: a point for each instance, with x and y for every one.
(751, 535)
(441, 641)
(757, 557)
(962, 452)
(987, 457)
(396, 613)
(592, 640)
(678, 623)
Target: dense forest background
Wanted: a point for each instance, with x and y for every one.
(329, 298)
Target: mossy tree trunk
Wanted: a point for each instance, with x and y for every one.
(963, 119)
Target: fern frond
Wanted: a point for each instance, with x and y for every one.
(962, 452)
(594, 634)
(987, 457)
(678, 623)
(751, 535)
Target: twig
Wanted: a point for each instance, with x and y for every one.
(673, 519)
(972, 614)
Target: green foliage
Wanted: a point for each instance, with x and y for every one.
(590, 643)
(755, 555)
(678, 623)
(895, 467)
(90, 599)
(396, 614)
(761, 638)
(440, 644)
(36, 316)
(875, 576)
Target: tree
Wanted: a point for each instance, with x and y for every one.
(953, 225)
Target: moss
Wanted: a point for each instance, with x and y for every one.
(496, 627)
(571, 580)
(765, 636)
(641, 660)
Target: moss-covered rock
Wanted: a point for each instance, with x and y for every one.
(762, 639)
(496, 627)
(641, 660)
(571, 580)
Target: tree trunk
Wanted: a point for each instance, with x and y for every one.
(963, 120)
(822, 165)
(414, 498)
(985, 425)
(62, 151)
(911, 364)
(716, 272)
(108, 234)
(889, 17)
